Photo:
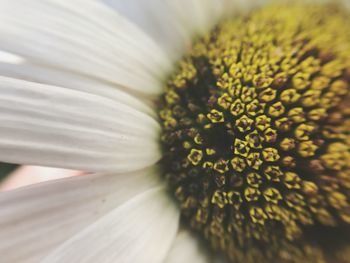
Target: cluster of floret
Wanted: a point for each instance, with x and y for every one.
(256, 133)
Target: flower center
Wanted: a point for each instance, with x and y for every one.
(256, 134)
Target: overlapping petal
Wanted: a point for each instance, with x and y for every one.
(35, 220)
(53, 126)
(84, 37)
(141, 230)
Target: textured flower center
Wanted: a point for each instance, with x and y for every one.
(256, 135)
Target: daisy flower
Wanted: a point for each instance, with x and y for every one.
(229, 119)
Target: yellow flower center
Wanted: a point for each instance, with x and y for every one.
(256, 134)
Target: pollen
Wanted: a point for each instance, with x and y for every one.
(256, 135)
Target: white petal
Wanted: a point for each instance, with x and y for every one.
(53, 76)
(187, 248)
(53, 126)
(35, 220)
(6, 57)
(171, 23)
(141, 230)
(85, 37)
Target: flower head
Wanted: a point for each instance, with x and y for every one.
(256, 132)
(252, 135)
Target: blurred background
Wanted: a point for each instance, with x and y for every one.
(6, 169)
(14, 176)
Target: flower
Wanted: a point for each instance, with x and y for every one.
(247, 139)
